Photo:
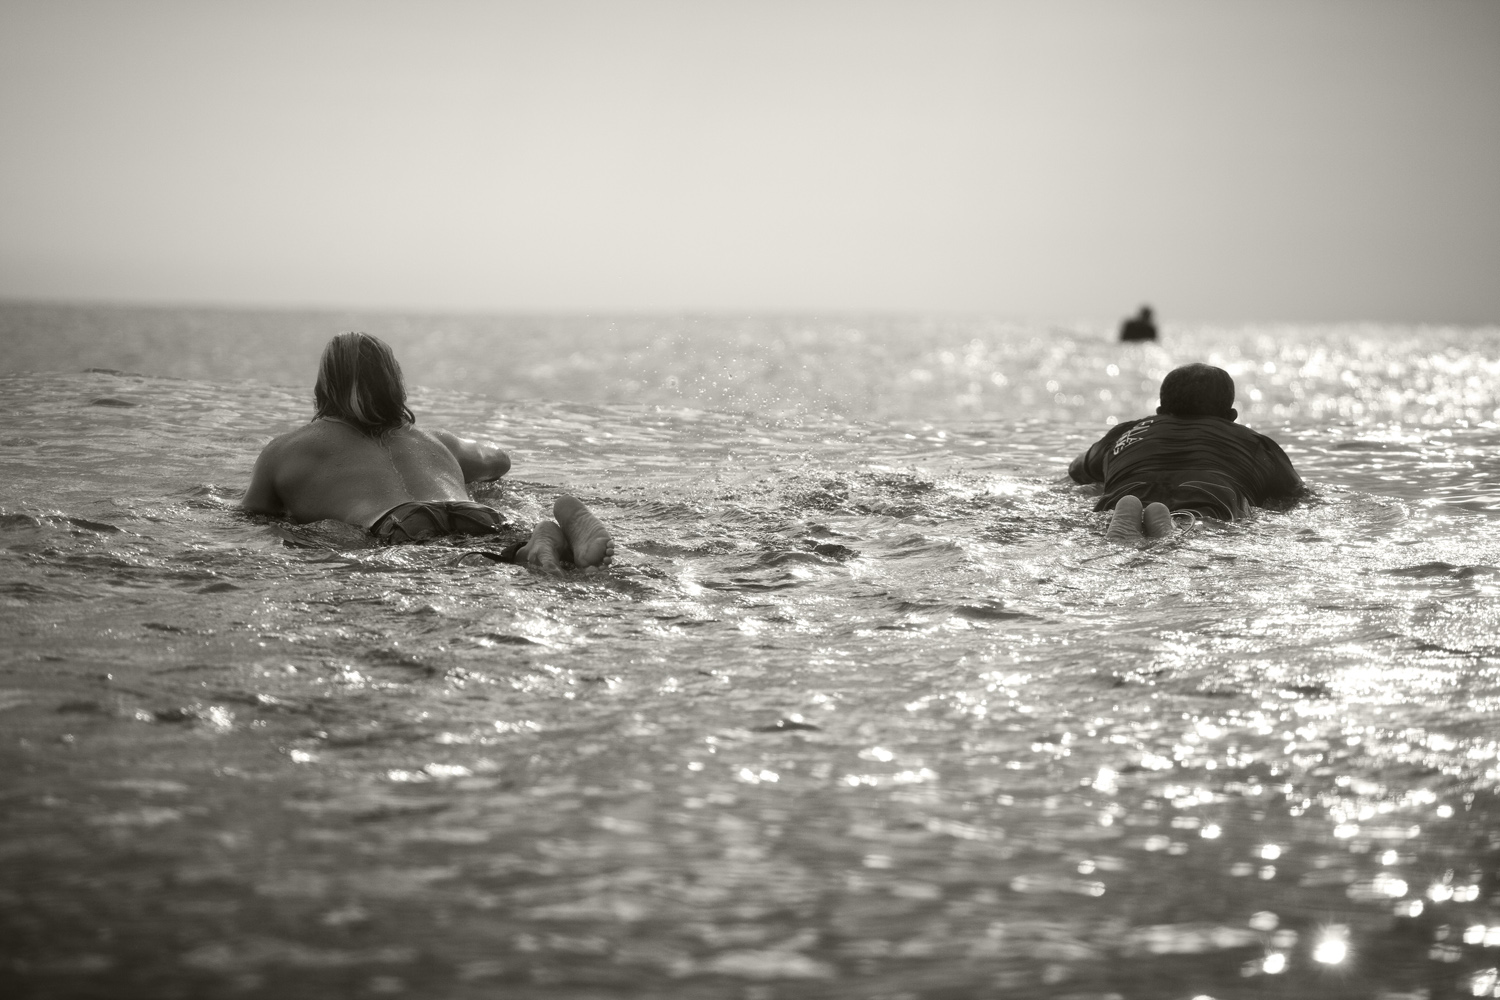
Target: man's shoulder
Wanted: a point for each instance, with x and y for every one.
(1250, 434)
(1264, 437)
(312, 439)
(1207, 425)
(412, 436)
(416, 433)
(309, 433)
(1124, 425)
(320, 439)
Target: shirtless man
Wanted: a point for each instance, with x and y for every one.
(363, 460)
(1189, 458)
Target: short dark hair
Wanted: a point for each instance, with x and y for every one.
(1197, 390)
(360, 383)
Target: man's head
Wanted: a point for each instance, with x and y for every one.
(1197, 390)
(360, 383)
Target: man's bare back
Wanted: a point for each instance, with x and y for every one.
(328, 470)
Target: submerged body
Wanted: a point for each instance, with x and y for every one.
(1209, 466)
(362, 460)
(1190, 458)
(329, 470)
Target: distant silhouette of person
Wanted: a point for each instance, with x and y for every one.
(1139, 327)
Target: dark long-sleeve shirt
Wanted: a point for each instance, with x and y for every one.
(1206, 464)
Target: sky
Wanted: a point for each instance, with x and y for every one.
(1265, 160)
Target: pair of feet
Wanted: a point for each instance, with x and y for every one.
(1130, 521)
(577, 537)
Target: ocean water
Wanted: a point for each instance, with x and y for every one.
(866, 709)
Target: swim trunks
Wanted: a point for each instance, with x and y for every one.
(1205, 465)
(418, 520)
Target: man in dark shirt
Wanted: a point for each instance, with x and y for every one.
(1189, 458)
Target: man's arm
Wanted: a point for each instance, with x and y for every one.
(1284, 481)
(261, 497)
(1078, 469)
(1089, 466)
(479, 462)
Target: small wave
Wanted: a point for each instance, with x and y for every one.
(1442, 569)
(992, 611)
(786, 726)
(783, 582)
(100, 526)
(506, 639)
(25, 592)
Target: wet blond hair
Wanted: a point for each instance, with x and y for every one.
(360, 383)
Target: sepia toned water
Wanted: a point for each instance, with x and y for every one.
(866, 708)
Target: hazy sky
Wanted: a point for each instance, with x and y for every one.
(1257, 160)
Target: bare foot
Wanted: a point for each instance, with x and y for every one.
(1125, 522)
(1157, 520)
(547, 550)
(587, 536)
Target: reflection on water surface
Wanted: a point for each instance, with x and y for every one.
(868, 709)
